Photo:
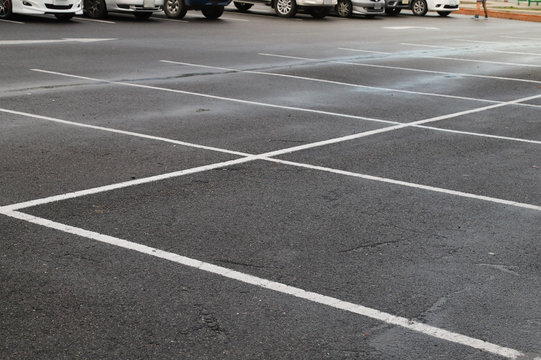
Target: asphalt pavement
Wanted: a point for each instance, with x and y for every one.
(265, 188)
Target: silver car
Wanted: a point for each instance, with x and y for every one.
(369, 8)
(141, 9)
(288, 8)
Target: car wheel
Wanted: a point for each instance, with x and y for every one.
(419, 7)
(392, 11)
(63, 17)
(344, 8)
(95, 9)
(5, 9)
(285, 8)
(142, 15)
(175, 9)
(319, 12)
(444, 13)
(243, 7)
(212, 12)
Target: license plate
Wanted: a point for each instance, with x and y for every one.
(377, 7)
(405, 2)
(452, 3)
(149, 4)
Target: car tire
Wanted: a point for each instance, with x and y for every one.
(242, 7)
(212, 12)
(392, 11)
(5, 9)
(319, 12)
(344, 8)
(95, 9)
(64, 17)
(175, 9)
(142, 15)
(285, 8)
(419, 7)
(444, 13)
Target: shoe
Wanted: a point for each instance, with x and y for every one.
(476, 17)
(486, 17)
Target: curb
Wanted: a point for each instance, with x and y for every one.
(502, 15)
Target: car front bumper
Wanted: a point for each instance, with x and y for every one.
(364, 7)
(35, 7)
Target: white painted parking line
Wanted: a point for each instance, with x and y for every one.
(247, 102)
(331, 82)
(470, 48)
(431, 46)
(267, 157)
(94, 20)
(448, 58)
(400, 68)
(409, 185)
(411, 27)
(520, 37)
(172, 20)
(11, 21)
(122, 132)
(125, 184)
(232, 19)
(415, 123)
(281, 288)
(65, 40)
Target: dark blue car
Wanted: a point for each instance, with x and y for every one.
(212, 9)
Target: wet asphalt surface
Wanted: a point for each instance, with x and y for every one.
(352, 219)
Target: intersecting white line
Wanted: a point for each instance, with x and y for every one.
(400, 68)
(263, 283)
(278, 287)
(250, 157)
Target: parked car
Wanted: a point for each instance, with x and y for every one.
(368, 8)
(212, 9)
(141, 9)
(420, 7)
(62, 9)
(288, 8)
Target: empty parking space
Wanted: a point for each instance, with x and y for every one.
(258, 187)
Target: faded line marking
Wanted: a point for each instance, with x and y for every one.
(401, 68)
(471, 48)
(277, 287)
(11, 21)
(447, 58)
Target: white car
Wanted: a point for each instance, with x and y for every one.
(141, 9)
(420, 7)
(288, 8)
(368, 8)
(62, 9)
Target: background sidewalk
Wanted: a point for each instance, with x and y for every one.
(504, 9)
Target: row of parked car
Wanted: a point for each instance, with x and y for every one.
(213, 9)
